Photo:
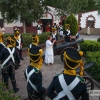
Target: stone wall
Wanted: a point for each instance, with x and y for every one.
(93, 31)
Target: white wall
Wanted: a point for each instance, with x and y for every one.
(93, 13)
(13, 24)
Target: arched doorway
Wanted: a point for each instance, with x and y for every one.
(48, 18)
(90, 21)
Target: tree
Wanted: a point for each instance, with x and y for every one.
(64, 7)
(72, 21)
(21, 10)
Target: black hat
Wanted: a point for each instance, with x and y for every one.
(1, 37)
(35, 53)
(35, 38)
(72, 57)
(11, 41)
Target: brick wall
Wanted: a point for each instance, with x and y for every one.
(92, 31)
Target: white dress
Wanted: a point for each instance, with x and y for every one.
(49, 55)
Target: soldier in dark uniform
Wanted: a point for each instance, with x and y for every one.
(67, 33)
(33, 74)
(69, 85)
(9, 57)
(2, 45)
(54, 37)
(19, 41)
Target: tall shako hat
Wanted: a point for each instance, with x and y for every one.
(1, 37)
(35, 53)
(35, 38)
(73, 59)
(67, 26)
(11, 41)
(54, 29)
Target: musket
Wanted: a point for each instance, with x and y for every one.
(86, 66)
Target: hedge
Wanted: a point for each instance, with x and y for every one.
(89, 45)
(94, 71)
(27, 38)
(91, 50)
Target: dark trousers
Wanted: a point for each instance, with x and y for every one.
(54, 46)
(20, 52)
(8, 71)
(67, 39)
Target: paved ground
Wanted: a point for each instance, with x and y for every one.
(47, 71)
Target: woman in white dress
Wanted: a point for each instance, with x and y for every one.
(49, 55)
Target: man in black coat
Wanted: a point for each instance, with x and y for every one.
(33, 74)
(54, 37)
(8, 57)
(69, 85)
(19, 41)
(67, 33)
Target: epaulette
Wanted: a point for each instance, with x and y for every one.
(81, 79)
(36, 70)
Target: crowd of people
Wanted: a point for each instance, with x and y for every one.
(65, 86)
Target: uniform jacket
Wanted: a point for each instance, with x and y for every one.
(1, 47)
(5, 54)
(56, 36)
(36, 79)
(79, 90)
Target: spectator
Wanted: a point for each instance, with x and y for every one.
(49, 55)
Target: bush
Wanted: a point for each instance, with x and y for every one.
(89, 45)
(94, 70)
(72, 21)
(7, 94)
(98, 40)
(27, 38)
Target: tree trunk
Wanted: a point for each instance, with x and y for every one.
(24, 27)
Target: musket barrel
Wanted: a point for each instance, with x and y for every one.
(86, 66)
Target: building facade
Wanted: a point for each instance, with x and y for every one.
(91, 19)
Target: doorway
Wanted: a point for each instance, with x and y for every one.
(44, 23)
(90, 23)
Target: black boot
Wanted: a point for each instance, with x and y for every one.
(14, 87)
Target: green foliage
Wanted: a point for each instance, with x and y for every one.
(27, 38)
(72, 21)
(7, 94)
(22, 10)
(91, 50)
(94, 70)
(64, 7)
(98, 40)
(89, 45)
